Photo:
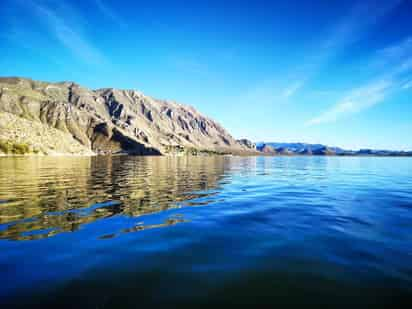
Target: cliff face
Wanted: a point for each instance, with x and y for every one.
(247, 143)
(109, 120)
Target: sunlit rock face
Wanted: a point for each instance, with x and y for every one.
(111, 120)
(247, 143)
(267, 149)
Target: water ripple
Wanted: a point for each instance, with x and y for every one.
(283, 227)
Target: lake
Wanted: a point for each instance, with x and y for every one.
(131, 232)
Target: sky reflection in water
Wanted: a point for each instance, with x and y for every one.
(123, 232)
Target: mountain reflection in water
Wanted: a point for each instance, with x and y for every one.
(47, 196)
(298, 232)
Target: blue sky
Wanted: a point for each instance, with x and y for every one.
(332, 72)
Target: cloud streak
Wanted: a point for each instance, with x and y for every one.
(361, 18)
(110, 13)
(292, 89)
(398, 62)
(357, 100)
(270, 92)
(351, 28)
(407, 85)
(67, 34)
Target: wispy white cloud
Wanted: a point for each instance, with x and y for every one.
(350, 29)
(407, 85)
(361, 18)
(398, 60)
(357, 100)
(291, 89)
(59, 27)
(110, 13)
(395, 52)
(270, 92)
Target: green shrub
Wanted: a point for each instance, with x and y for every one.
(5, 147)
(14, 148)
(20, 148)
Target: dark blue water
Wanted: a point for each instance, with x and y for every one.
(130, 232)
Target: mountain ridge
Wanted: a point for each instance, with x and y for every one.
(66, 118)
(109, 120)
(299, 148)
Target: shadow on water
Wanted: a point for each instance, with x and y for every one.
(42, 197)
(160, 288)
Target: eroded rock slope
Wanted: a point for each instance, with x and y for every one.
(111, 120)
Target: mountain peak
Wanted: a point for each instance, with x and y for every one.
(110, 120)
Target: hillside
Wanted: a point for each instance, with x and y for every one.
(104, 121)
(322, 150)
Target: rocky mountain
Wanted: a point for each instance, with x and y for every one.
(375, 152)
(298, 149)
(68, 118)
(247, 143)
(303, 148)
(319, 149)
(266, 149)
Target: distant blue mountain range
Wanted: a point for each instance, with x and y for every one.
(319, 149)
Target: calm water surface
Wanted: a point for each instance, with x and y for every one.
(129, 232)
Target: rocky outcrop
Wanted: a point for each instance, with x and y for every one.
(247, 143)
(22, 136)
(322, 150)
(267, 149)
(111, 120)
(297, 149)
